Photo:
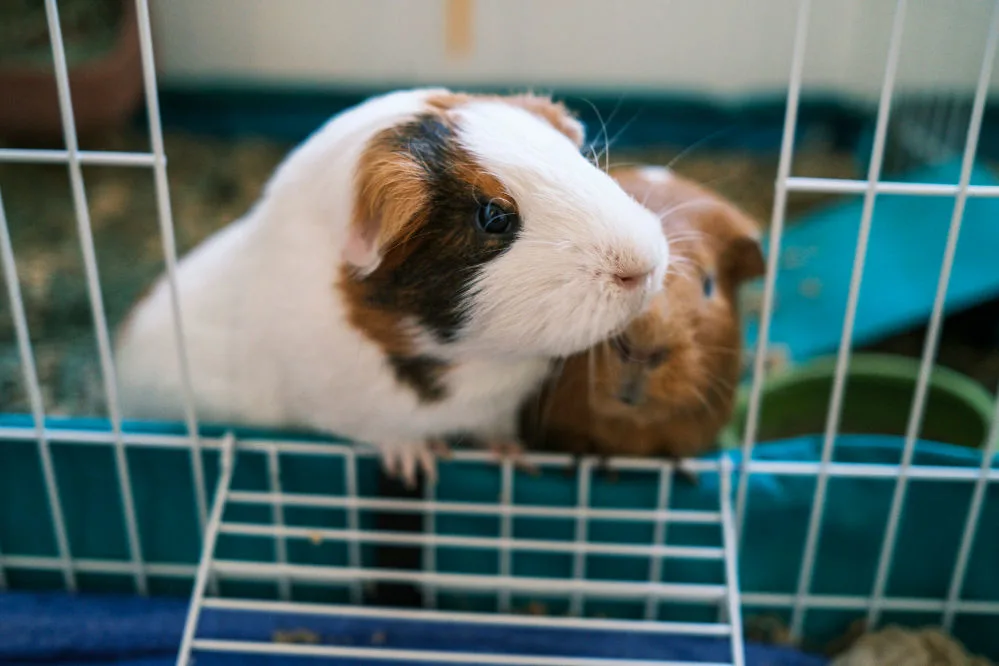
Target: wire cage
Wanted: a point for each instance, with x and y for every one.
(297, 546)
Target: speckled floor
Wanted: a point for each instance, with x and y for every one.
(212, 182)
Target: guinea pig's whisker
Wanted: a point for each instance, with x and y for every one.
(696, 145)
(610, 142)
(603, 131)
(671, 210)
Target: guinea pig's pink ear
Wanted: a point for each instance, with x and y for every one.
(390, 192)
(555, 113)
(745, 258)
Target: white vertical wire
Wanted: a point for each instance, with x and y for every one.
(506, 532)
(971, 522)
(277, 516)
(936, 320)
(846, 336)
(430, 547)
(659, 538)
(94, 289)
(730, 541)
(227, 463)
(579, 559)
(33, 389)
(165, 217)
(773, 262)
(353, 522)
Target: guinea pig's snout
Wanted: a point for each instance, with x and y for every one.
(631, 390)
(633, 278)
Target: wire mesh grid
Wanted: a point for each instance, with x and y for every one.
(271, 575)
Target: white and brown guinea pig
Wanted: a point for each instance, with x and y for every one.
(407, 275)
(665, 386)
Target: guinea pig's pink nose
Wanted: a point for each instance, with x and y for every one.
(632, 279)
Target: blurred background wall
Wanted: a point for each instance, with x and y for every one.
(722, 48)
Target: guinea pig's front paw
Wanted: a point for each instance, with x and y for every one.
(507, 449)
(400, 460)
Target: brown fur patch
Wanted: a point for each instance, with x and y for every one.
(554, 113)
(417, 195)
(689, 397)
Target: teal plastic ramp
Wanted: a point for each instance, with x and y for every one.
(905, 253)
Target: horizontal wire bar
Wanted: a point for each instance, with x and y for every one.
(499, 619)
(85, 157)
(850, 186)
(92, 437)
(869, 470)
(334, 449)
(88, 565)
(419, 506)
(422, 656)
(490, 543)
(861, 603)
(623, 589)
(763, 599)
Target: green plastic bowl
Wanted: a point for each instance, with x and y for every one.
(879, 392)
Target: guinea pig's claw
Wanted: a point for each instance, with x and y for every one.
(401, 462)
(514, 452)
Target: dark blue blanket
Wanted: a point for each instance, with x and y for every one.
(132, 631)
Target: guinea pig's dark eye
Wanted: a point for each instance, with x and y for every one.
(658, 357)
(492, 218)
(709, 286)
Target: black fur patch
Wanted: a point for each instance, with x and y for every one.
(424, 374)
(426, 276)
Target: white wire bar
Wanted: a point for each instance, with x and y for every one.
(693, 592)
(761, 599)
(936, 320)
(846, 336)
(780, 468)
(32, 387)
(167, 236)
(94, 289)
(432, 540)
(659, 538)
(353, 520)
(506, 530)
(277, 516)
(860, 603)
(990, 449)
(473, 508)
(421, 656)
(327, 448)
(429, 547)
(583, 481)
(731, 541)
(851, 186)
(84, 157)
(227, 463)
(773, 261)
(497, 619)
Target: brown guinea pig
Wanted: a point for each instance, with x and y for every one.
(666, 385)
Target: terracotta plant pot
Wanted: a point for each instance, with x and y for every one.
(106, 90)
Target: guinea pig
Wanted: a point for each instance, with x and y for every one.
(665, 386)
(407, 275)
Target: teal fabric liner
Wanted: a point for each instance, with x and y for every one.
(855, 516)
